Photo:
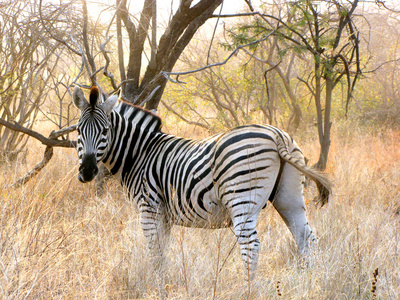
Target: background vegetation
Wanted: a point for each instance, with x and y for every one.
(59, 240)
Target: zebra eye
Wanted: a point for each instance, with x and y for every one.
(104, 132)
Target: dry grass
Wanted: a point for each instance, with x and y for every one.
(57, 240)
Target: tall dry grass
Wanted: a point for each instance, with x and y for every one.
(57, 240)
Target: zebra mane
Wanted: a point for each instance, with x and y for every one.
(136, 114)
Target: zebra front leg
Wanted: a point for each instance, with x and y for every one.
(157, 232)
(244, 227)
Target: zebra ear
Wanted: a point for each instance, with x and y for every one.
(79, 98)
(109, 104)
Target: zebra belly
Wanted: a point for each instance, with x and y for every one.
(204, 211)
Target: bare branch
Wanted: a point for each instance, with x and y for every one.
(169, 108)
(84, 62)
(248, 2)
(89, 56)
(56, 134)
(307, 85)
(265, 61)
(105, 54)
(381, 65)
(52, 35)
(46, 141)
(48, 154)
(121, 63)
(150, 96)
(152, 63)
(213, 35)
(168, 74)
(380, 2)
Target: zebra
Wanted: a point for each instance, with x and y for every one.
(221, 181)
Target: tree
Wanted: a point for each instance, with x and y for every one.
(28, 61)
(280, 62)
(325, 31)
(164, 53)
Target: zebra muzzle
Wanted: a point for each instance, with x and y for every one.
(88, 169)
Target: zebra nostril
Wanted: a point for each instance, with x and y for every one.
(88, 169)
(80, 178)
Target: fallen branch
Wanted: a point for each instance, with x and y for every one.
(48, 154)
(50, 142)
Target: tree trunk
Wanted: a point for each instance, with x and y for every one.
(325, 142)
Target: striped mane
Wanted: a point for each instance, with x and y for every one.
(138, 114)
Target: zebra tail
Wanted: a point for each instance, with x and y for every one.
(324, 185)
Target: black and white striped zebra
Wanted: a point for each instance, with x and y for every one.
(221, 181)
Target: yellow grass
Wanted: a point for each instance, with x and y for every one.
(57, 240)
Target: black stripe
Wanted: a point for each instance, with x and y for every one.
(233, 191)
(277, 182)
(240, 137)
(241, 173)
(239, 159)
(242, 203)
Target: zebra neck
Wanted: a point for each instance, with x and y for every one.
(132, 138)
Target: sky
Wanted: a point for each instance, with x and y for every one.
(163, 7)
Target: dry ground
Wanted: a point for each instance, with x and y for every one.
(57, 240)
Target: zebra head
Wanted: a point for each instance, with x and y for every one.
(92, 129)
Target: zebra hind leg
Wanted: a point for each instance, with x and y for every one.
(290, 205)
(244, 227)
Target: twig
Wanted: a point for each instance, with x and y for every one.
(248, 2)
(381, 65)
(84, 61)
(56, 134)
(150, 96)
(380, 2)
(105, 54)
(93, 75)
(307, 84)
(169, 108)
(48, 154)
(168, 74)
(213, 35)
(121, 84)
(53, 36)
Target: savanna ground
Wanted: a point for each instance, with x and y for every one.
(58, 240)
